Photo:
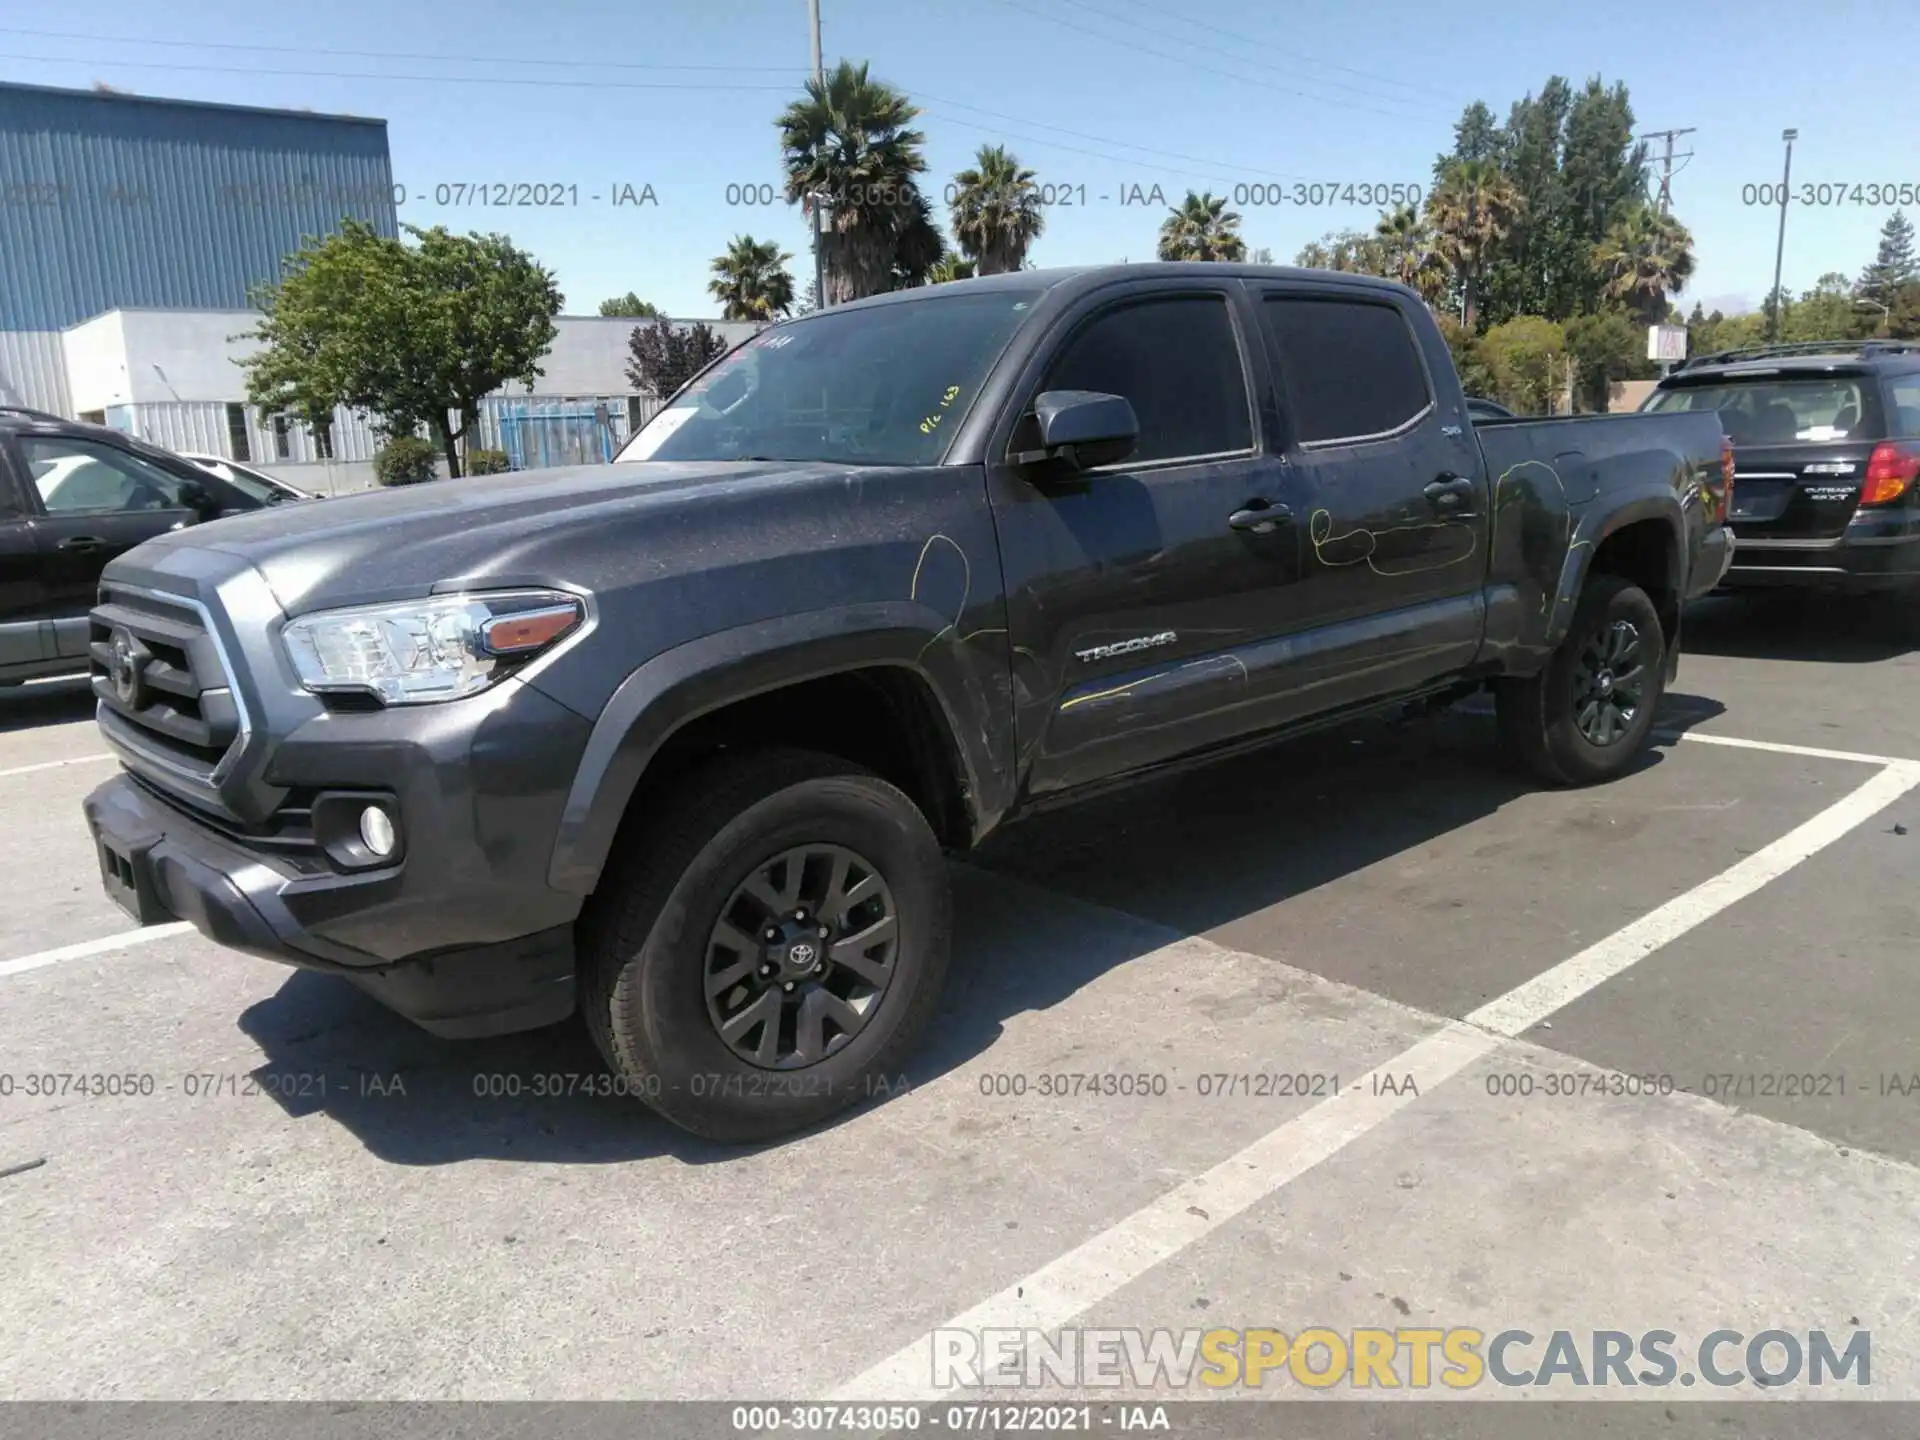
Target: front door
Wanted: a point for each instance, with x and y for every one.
(22, 594)
(95, 501)
(1131, 588)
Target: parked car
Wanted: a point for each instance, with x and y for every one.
(1480, 408)
(679, 741)
(1826, 444)
(72, 497)
(257, 483)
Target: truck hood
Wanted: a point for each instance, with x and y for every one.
(491, 530)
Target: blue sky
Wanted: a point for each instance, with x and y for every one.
(1104, 98)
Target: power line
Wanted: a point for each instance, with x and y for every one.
(98, 65)
(1292, 54)
(1266, 85)
(378, 54)
(1233, 54)
(1665, 197)
(1104, 140)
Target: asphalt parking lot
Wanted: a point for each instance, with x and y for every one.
(316, 1201)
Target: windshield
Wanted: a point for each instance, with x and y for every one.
(879, 386)
(1774, 411)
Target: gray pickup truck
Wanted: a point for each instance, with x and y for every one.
(679, 742)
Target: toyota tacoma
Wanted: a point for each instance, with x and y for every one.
(680, 742)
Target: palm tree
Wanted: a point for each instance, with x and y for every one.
(917, 244)
(951, 267)
(1471, 210)
(852, 141)
(1645, 257)
(1201, 228)
(996, 211)
(1411, 257)
(751, 281)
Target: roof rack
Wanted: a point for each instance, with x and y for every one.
(1862, 348)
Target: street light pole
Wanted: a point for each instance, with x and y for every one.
(819, 79)
(1780, 249)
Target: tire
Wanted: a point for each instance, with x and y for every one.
(1540, 721)
(647, 943)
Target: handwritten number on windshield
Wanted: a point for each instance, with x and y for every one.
(932, 422)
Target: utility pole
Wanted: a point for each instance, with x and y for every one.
(820, 79)
(1780, 248)
(1665, 198)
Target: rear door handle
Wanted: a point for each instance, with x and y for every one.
(1450, 491)
(1259, 516)
(80, 544)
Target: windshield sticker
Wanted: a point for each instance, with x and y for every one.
(932, 422)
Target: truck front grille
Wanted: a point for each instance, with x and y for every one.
(164, 691)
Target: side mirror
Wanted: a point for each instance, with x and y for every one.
(197, 498)
(1084, 428)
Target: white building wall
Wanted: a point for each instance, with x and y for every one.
(174, 377)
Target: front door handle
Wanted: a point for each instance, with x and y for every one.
(80, 544)
(1449, 492)
(1259, 517)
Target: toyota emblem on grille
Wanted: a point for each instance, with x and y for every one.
(123, 670)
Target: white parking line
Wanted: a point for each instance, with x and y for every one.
(1810, 751)
(1121, 1254)
(105, 943)
(53, 765)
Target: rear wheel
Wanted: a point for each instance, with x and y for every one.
(765, 948)
(1589, 713)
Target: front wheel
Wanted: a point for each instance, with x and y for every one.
(1589, 713)
(767, 945)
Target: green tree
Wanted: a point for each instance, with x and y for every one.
(1464, 346)
(1527, 359)
(1354, 251)
(664, 356)
(1201, 227)
(996, 213)
(951, 267)
(1476, 136)
(1473, 210)
(1410, 254)
(1894, 265)
(411, 334)
(918, 245)
(1643, 258)
(629, 305)
(751, 281)
(1606, 347)
(851, 139)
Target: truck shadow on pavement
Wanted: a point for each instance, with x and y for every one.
(1208, 845)
(1790, 625)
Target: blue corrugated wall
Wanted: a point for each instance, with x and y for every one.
(110, 200)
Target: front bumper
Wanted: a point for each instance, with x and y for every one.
(161, 864)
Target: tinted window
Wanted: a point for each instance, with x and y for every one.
(1177, 362)
(1352, 368)
(1905, 395)
(75, 476)
(1773, 411)
(883, 386)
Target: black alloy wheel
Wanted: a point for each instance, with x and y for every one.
(801, 956)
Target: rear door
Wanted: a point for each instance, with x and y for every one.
(94, 501)
(1801, 443)
(1397, 511)
(23, 596)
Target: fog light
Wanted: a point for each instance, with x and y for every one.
(376, 830)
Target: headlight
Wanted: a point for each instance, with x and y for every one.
(411, 652)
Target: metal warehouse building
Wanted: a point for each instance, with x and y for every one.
(133, 231)
(111, 201)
